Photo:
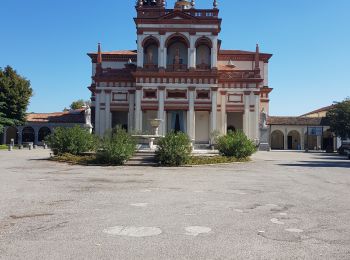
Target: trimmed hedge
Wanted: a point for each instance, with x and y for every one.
(74, 140)
(236, 144)
(174, 149)
(116, 148)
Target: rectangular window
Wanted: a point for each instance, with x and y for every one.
(150, 93)
(120, 96)
(179, 94)
(203, 94)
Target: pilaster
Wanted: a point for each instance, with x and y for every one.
(161, 98)
(223, 112)
(213, 114)
(131, 115)
(138, 111)
(97, 112)
(191, 114)
(246, 116)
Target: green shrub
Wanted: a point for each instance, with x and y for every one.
(116, 147)
(73, 140)
(174, 149)
(235, 144)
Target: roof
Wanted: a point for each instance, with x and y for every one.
(290, 120)
(323, 109)
(72, 116)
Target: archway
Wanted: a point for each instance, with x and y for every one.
(43, 132)
(203, 53)
(294, 140)
(177, 52)
(150, 46)
(28, 134)
(11, 133)
(277, 140)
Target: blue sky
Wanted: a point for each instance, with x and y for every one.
(47, 41)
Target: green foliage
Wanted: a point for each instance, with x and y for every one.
(75, 140)
(235, 144)
(15, 92)
(338, 118)
(116, 148)
(77, 104)
(174, 149)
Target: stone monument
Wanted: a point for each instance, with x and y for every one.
(264, 132)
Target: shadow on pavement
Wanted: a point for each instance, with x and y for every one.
(319, 164)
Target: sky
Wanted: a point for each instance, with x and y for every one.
(46, 41)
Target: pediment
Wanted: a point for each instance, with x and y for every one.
(178, 15)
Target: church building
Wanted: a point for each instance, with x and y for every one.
(180, 75)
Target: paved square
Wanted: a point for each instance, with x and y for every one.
(282, 205)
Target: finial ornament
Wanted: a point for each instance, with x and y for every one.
(257, 54)
(140, 3)
(193, 3)
(99, 53)
(215, 4)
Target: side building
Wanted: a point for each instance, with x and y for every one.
(181, 75)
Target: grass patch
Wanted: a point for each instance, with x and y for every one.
(3, 147)
(75, 159)
(202, 160)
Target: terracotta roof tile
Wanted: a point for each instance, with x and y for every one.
(75, 116)
(290, 120)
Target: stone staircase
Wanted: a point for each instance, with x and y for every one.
(143, 158)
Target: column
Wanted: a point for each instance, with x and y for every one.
(139, 51)
(20, 129)
(223, 113)
(102, 113)
(97, 112)
(302, 139)
(319, 142)
(285, 139)
(213, 115)
(161, 52)
(192, 53)
(108, 118)
(36, 135)
(214, 53)
(246, 113)
(161, 97)
(256, 115)
(138, 111)
(131, 115)
(191, 114)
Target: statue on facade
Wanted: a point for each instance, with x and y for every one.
(177, 57)
(150, 57)
(263, 118)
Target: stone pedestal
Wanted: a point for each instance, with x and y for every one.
(264, 139)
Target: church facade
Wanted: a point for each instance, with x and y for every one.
(180, 75)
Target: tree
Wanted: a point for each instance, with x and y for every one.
(339, 118)
(15, 93)
(78, 104)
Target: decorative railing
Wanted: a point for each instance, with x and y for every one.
(176, 67)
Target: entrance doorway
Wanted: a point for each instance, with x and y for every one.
(202, 127)
(176, 121)
(120, 118)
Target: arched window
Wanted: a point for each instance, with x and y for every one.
(177, 52)
(28, 134)
(150, 47)
(203, 53)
